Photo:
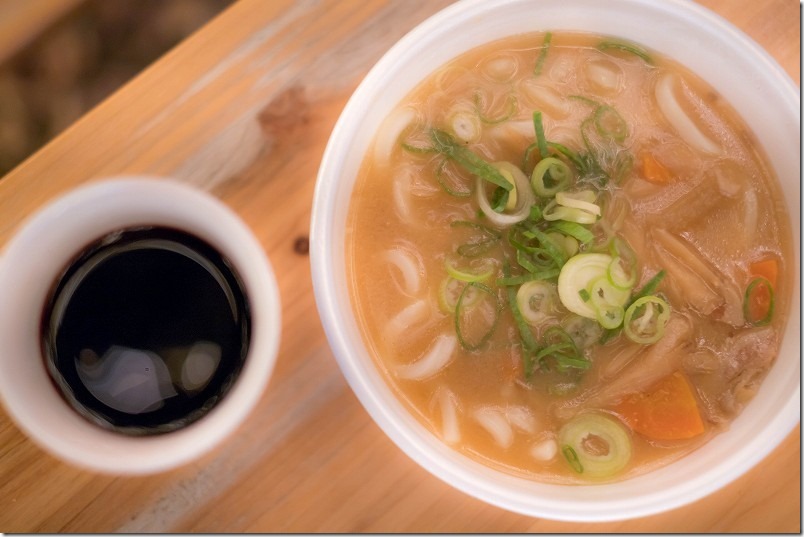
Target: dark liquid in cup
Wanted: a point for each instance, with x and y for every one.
(146, 330)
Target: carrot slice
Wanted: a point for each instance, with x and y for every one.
(767, 268)
(668, 411)
(654, 171)
(760, 299)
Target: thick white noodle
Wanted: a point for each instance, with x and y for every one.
(751, 215)
(546, 98)
(684, 125)
(544, 450)
(494, 421)
(401, 192)
(521, 418)
(448, 405)
(604, 74)
(389, 132)
(501, 69)
(411, 270)
(409, 316)
(434, 359)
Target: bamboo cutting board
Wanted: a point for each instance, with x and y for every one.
(243, 108)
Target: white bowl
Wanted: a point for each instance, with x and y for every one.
(725, 58)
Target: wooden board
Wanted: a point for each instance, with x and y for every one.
(243, 108)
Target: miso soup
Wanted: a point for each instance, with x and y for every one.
(569, 257)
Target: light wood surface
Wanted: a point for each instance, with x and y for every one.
(243, 108)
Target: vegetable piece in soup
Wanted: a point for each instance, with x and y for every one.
(540, 260)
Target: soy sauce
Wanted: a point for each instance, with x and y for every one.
(146, 330)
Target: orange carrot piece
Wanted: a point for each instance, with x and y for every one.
(767, 268)
(654, 171)
(669, 411)
(760, 299)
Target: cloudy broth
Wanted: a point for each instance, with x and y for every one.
(658, 186)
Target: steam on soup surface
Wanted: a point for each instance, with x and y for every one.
(568, 258)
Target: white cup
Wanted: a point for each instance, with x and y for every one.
(34, 259)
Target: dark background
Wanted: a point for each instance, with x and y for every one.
(80, 59)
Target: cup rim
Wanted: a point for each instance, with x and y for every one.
(107, 205)
(590, 502)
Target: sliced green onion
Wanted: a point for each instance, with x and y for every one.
(562, 351)
(645, 320)
(584, 294)
(526, 159)
(500, 199)
(541, 141)
(571, 155)
(553, 211)
(547, 274)
(469, 274)
(584, 332)
(620, 276)
(509, 171)
(536, 300)
(568, 243)
(560, 348)
(610, 316)
(650, 286)
(477, 248)
(592, 169)
(596, 443)
(583, 200)
(756, 286)
(444, 143)
(610, 124)
(446, 186)
(585, 100)
(572, 458)
(449, 292)
(647, 290)
(604, 294)
(478, 245)
(535, 214)
(553, 249)
(558, 172)
(537, 70)
(630, 48)
(529, 345)
(461, 305)
(519, 191)
(573, 229)
(577, 274)
(533, 260)
(508, 114)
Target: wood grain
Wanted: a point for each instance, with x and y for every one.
(243, 108)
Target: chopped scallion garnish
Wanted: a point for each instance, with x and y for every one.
(626, 47)
(758, 304)
(537, 70)
(444, 143)
(459, 314)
